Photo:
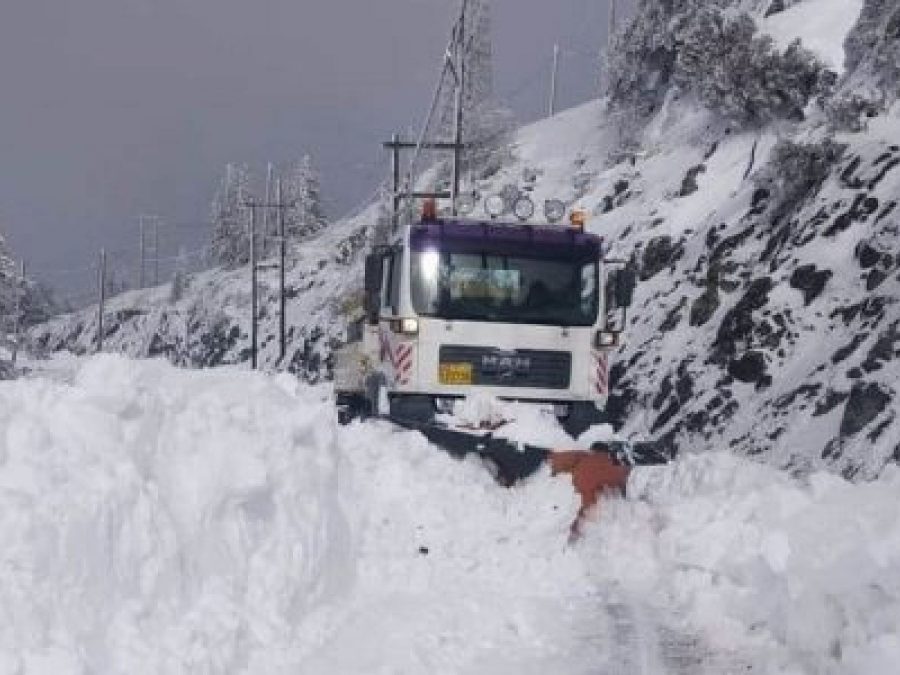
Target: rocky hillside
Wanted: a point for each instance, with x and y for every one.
(766, 319)
(203, 320)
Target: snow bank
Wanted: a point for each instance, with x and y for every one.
(800, 577)
(218, 522)
(155, 520)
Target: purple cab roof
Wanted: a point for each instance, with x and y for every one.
(461, 236)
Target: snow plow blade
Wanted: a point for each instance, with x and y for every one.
(515, 461)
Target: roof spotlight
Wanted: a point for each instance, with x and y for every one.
(523, 208)
(465, 203)
(554, 210)
(494, 206)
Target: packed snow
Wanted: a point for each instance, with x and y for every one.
(157, 520)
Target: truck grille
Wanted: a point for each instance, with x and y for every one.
(513, 368)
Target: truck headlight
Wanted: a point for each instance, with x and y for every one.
(606, 339)
(405, 326)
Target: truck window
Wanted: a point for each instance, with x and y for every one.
(490, 286)
(390, 289)
(396, 276)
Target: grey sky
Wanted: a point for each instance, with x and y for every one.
(115, 107)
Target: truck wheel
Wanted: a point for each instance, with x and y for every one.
(351, 407)
(413, 408)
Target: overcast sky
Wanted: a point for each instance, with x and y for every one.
(111, 108)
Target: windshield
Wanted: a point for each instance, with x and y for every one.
(507, 289)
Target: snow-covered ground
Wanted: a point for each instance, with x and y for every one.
(821, 25)
(163, 521)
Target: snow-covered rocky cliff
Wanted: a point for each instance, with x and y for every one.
(766, 318)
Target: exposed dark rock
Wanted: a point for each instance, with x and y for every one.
(666, 415)
(874, 279)
(738, 324)
(848, 175)
(776, 7)
(750, 368)
(886, 211)
(689, 183)
(883, 351)
(867, 256)
(842, 353)
(665, 388)
(890, 166)
(674, 318)
(683, 390)
(866, 403)
(759, 202)
(841, 223)
(732, 243)
(810, 281)
(831, 401)
(660, 253)
(703, 308)
(870, 308)
(696, 422)
(878, 431)
(807, 391)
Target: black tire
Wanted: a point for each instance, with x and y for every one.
(415, 408)
(351, 407)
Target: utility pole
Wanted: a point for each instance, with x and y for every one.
(143, 251)
(454, 65)
(553, 80)
(460, 72)
(395, 170)
(156, 251)
(282, 243)
(255, 266)
(267, 231)
(613, 20)
(101, 288)
(143, 220)
(254, 341)
(17, 319)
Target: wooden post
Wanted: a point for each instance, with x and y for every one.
(101, 288)
(253, 291)
(282, 328)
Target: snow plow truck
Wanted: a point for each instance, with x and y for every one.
(515, 311)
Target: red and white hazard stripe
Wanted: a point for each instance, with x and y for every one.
(601, 373)
(400, 357)
(403, 360)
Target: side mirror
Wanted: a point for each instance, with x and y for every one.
(625, 283)
(374, 273)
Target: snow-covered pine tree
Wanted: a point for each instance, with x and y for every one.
(711, 50)
(37, 302)
(301, 188)
(873, 47)
(231, 218)
(9, 284)
(872, 79)
(180, 277)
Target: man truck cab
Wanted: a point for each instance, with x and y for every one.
(455, 307)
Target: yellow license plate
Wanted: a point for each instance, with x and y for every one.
(455, 373)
